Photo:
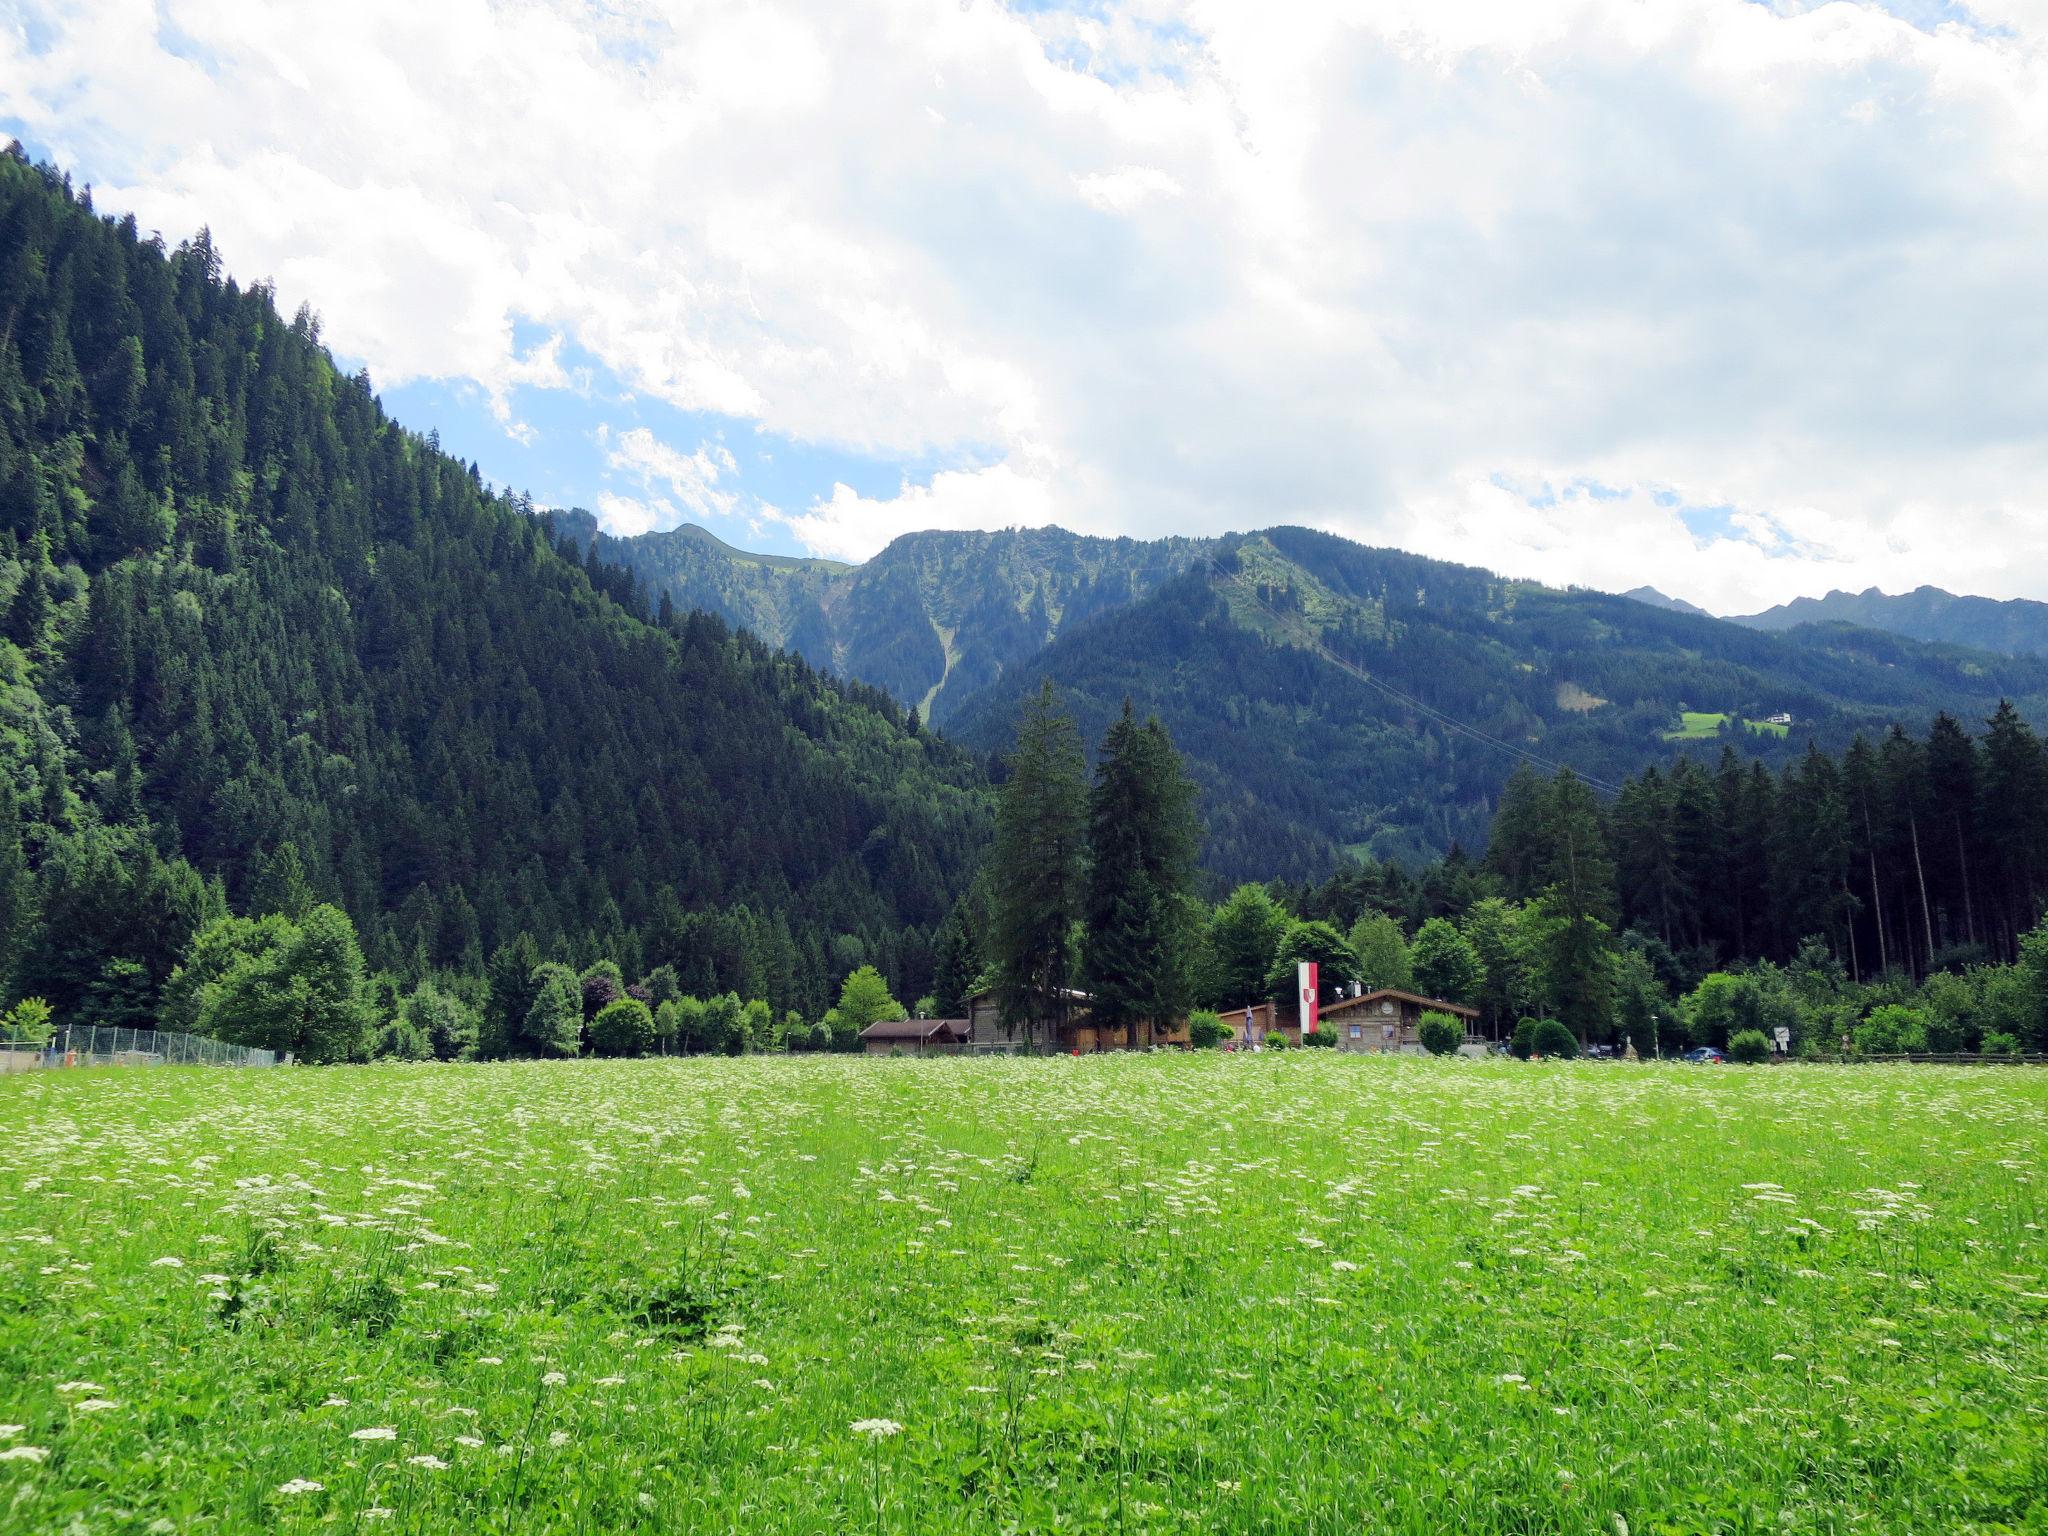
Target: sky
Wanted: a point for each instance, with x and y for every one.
(1738, 300)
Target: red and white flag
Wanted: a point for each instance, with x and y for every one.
(1311, 996)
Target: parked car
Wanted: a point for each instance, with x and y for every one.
(1704, 1053)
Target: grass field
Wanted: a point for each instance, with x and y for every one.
(1274, 1293)
(1699, 725)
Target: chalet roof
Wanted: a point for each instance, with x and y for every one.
(1066, 994)
(1433, 1004)
(916, 1029)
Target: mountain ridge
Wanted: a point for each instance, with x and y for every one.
(2009, 626)
(1443, 677)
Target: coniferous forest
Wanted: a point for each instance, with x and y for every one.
(267, 652)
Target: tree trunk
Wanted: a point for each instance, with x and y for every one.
(1919, 869)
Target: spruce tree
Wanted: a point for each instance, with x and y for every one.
(1036, 866)
(1143, 841)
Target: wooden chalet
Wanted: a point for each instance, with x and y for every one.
(1076, 1033)
(1386, 1020)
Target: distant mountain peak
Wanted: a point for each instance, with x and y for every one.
(1658, 599)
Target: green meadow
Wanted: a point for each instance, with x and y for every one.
(1288, 1292)
(1702, 725)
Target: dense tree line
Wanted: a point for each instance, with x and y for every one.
(266, 651)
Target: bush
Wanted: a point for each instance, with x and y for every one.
(32, 1021)
(1522, 1044)
(1324, 1039)
(1554, 1040)
(1205, 1030)
(402, 1040)
(1441, 1034)
(1891, 1030)
(1998, 1043)
(623, 1027)
(1748, 1045)
(1275, 1041)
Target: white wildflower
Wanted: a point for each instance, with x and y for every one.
(554, 1379)
(334, 1402)
(300, 1485)
(375, 1433)
(96, 1404)
(80, 1386)
(168, 1261)
(431, 1463)
(559, 1438)
(24, 1453)
(877, 1429)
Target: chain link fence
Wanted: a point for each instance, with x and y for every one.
(94, 1046)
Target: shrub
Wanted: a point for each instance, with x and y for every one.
(402, 1040)
(1553, 1039)
(31, 1020)
(1324, 1039)
(1275, 1041)
(623, 1027)
(1205, 1030)
(1441, 1034)
(1522, 1044)
(1890, 1030)
(1998, 1043)
(1748, 1045)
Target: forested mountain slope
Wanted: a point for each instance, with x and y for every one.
(1302, 761)
(264, 645)
(2012, 627)
(933, 618)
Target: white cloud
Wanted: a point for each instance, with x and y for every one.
(692, 479)
(1123, 189)
(1364, 264)
(849, 526)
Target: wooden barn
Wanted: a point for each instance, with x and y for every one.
(915, 1037)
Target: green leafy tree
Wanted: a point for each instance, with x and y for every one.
(1334, 959)
(1490, 928)
(30, 1021)
(304, 991)
(1239, 946)
(1383, 958)
(1445, 965)
(446, 1022)
(864, 999)
(623, 1027)
(553, 1025)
